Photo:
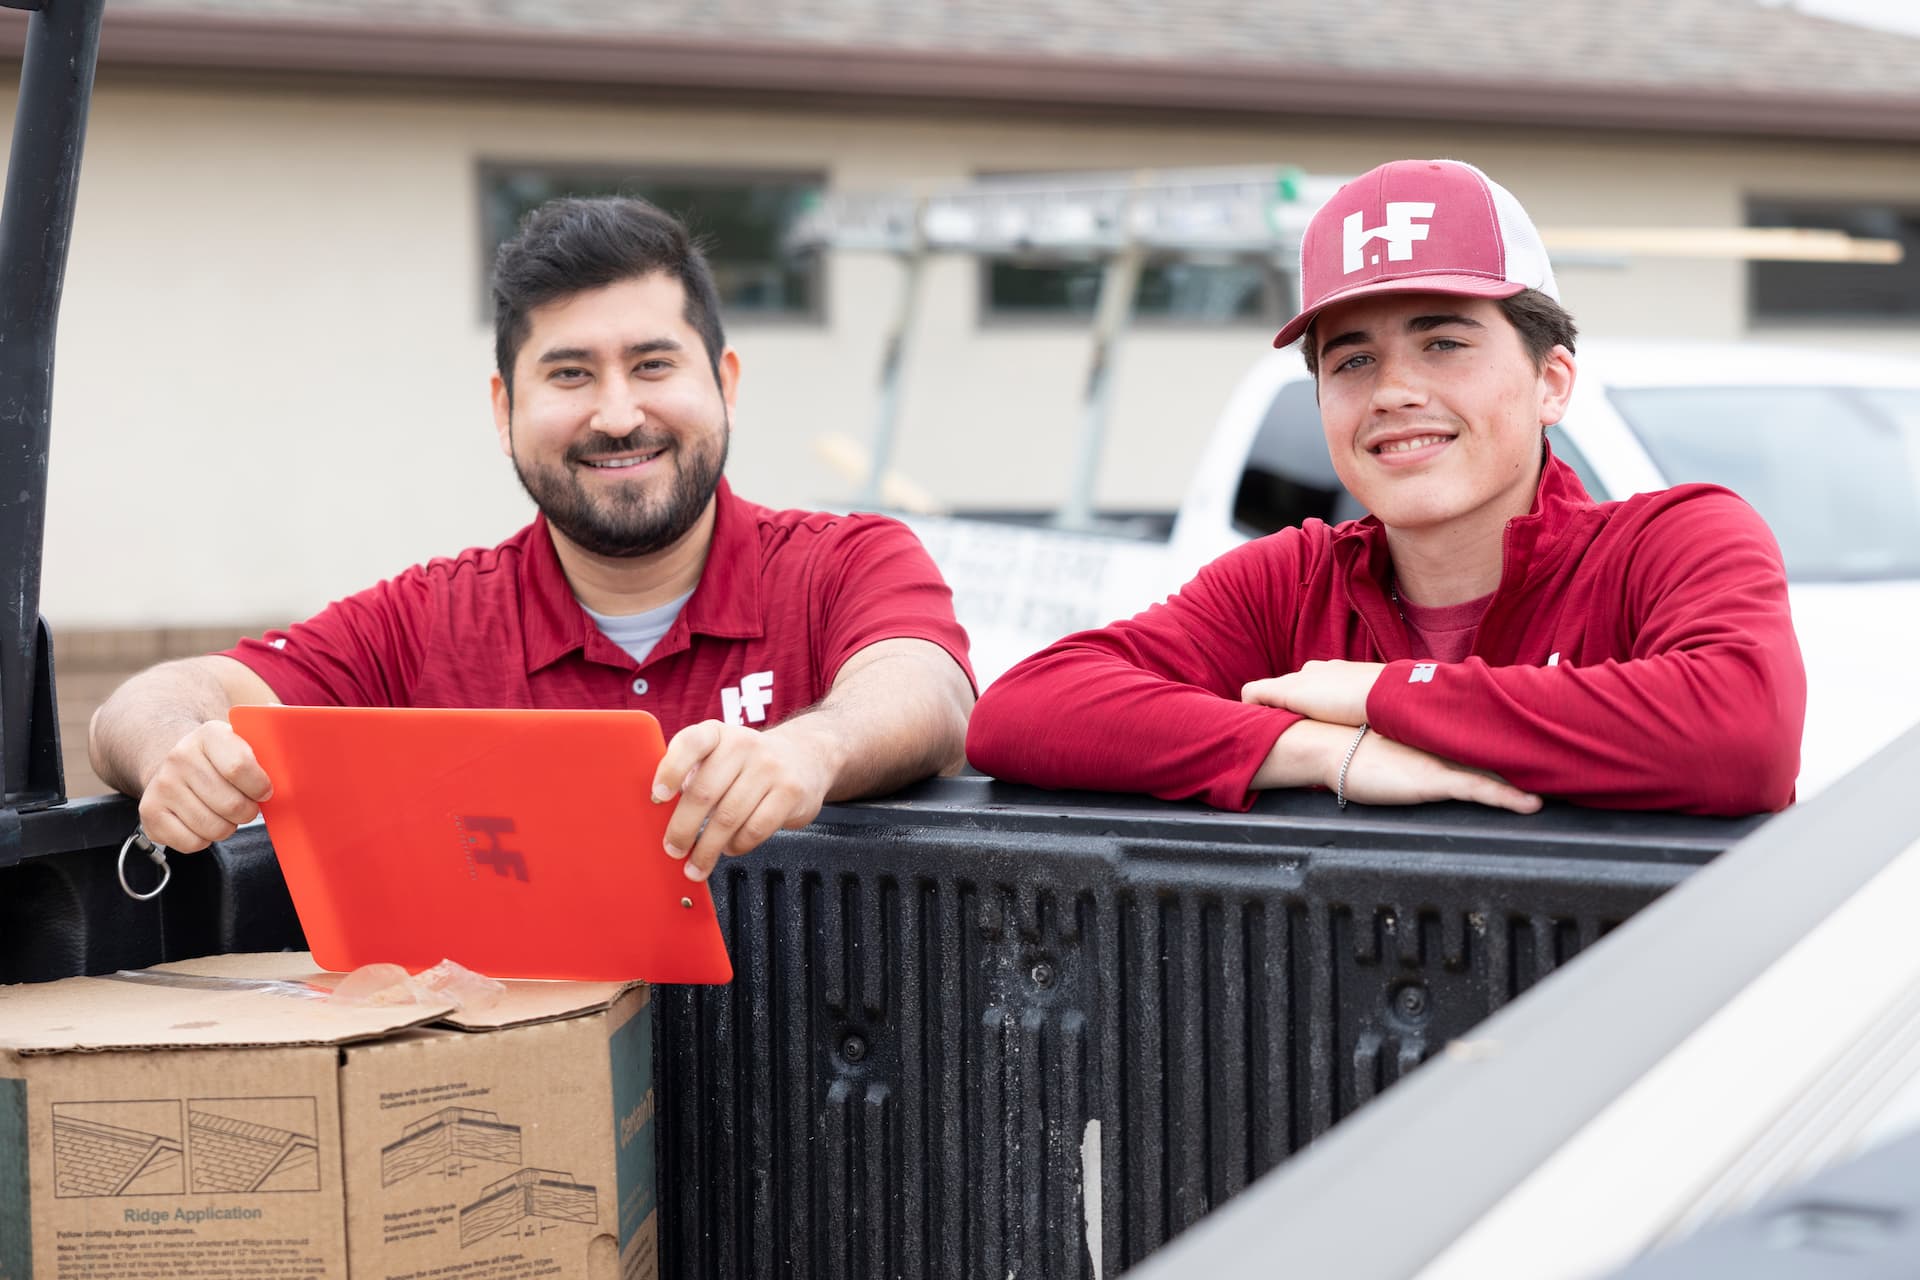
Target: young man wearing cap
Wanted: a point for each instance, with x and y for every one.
(644, 583)
(1488, 633)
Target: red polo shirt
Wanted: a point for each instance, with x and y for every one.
(786, 597)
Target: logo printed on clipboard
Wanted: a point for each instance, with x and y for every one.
(493, 853)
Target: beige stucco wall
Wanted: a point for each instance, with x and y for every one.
(272, 365)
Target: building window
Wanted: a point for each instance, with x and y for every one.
(1825, 291)
(1199, 293)
(740, 218)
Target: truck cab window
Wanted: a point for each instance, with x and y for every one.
(1569, 453)
(1288, 476)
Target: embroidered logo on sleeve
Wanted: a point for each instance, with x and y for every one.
(1422, 673)
(748, 702)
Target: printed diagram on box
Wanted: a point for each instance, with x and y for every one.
(117, 1149)
(448, 1143)
(519, 1201)
(456, 1140)
(253, 1144)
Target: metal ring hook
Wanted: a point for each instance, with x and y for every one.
(156, 853)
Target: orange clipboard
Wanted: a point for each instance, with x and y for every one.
(522, 844)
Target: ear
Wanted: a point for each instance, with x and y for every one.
(503, 414)
(729, 378)
(1556, 385)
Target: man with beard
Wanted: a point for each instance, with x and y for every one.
(792, 657)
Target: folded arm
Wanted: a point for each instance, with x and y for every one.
(1152, 704)
(1703, 716)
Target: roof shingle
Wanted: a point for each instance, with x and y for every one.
(1693, 44)
(1734, 66)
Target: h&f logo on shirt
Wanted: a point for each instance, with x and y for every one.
(1400, 232)
(1422, 673)
(748, 702)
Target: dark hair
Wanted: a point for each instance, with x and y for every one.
(573, 244)
(1543, 324)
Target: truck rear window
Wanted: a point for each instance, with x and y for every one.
(1835, 471)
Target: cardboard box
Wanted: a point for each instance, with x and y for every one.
(221, 1118)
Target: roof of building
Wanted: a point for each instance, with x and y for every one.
(1735, 65)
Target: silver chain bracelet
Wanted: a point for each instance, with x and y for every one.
(1340, 790)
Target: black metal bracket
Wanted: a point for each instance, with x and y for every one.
(46, 770)
(36, 225)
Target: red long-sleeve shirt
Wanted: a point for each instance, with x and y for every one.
(1636, 655)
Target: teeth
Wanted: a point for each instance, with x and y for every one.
(618, 464)
(1407, 446)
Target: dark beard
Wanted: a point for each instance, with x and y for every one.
(630, 525)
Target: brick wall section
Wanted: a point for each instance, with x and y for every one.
(93, 1163)
(225, 1162)
(448, 1132)
(93, 1159)
(500, 1204)
(88, 665)
(566, 1201)
(422, 1149)
(233, 1155)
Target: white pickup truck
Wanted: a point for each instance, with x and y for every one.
(1824, 444)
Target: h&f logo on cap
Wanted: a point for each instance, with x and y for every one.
(1447, 228)
(1399, 232)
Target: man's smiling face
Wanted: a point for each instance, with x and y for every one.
(1433, 408)
(617, 423)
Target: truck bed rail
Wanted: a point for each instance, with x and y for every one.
(957, 1010)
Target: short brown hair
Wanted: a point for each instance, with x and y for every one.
(1543, 324)
(573, 244)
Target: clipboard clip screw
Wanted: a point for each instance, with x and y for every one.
(156, 854)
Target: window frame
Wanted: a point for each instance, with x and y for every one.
(816, 315)
(991, 318)
(1806, 211)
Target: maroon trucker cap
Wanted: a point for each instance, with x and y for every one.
(1418, 226)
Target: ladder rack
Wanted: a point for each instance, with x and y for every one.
(1115, 219)
(1119, 220)
(1258, 210)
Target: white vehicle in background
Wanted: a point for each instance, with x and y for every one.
(1825, 445)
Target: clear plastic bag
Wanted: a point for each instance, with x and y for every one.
(388, 984)
(470, 992)
(379, 984)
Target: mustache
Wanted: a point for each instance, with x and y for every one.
(636, 442)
